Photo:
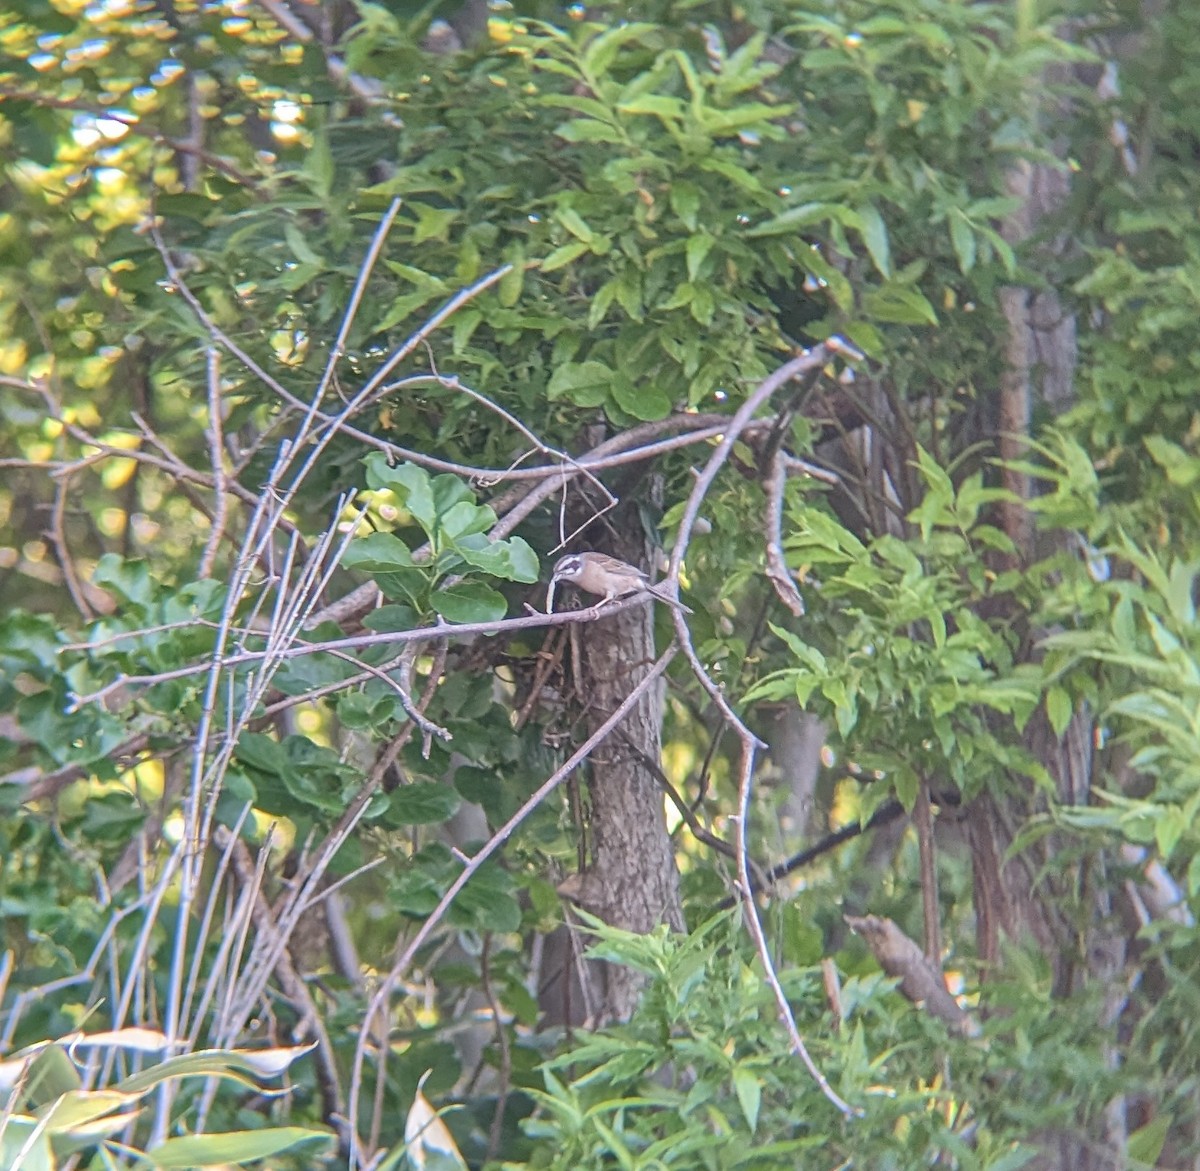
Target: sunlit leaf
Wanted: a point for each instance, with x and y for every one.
(239, 1146)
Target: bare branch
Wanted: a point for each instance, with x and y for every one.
(777, 571)
(814, 359)
(216, 455)
(920, 980)
(351, 642)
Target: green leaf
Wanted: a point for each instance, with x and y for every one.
(508, 292)
(1181, 468)
(512, 560)
(629, 292)
(466, 322)
(563, 256)
(580, 382)
(524, 565)
(238, 1146)
(408, 586)
(963, 238)
(404, 307)
(669, 110)
(422, 803)
(900, 305)
(755, 116)
(81, 1107)
(575, 224)
(1059, 709)
(646, 402)
(906, 784)
(590, 130)
(787, 222)
(449, 491)
(1146, 1143)
(838, 287)
(51, 1074)
(602, 50)
(601, 302)
(702, 304)
(463, 519)
(698, 248)
(300, 247)
(20, 1148)
(685, 202)
(377, 553)
(875, 236)
(744, 180)
(433, 223)
(304, 274)
(412, 486)
(1193, 876)
(681, 296)
(469, 602)
(1003, 248)
(578, 104)
(318, 163)
(487, 902)
(262, 752)
(1170, 825)
(749, 1094)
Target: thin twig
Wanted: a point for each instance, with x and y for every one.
(453, 383)
(351, 642)
(777, 569)
(814, 359)
(699, 832)
(216, 456)
(295, 989)
(58, 538)
(496, 1130)
(229, 935)
(167, 461)
(888, 812)
(356, 296)
(305, 892)
(198, 815)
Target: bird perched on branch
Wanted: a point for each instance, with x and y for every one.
(607, 577)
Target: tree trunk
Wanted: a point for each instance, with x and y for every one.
(1044, 892)
(630, 879)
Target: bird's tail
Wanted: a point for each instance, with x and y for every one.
(664, 597)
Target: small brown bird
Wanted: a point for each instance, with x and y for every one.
(607, 577)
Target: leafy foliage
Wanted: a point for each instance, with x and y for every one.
(582, 229)
(52, 1114)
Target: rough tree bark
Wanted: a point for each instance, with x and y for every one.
(630, 879)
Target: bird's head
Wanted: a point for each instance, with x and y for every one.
(568, 568)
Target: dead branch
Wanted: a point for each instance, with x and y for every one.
(920, 981)
(777, 571)
(813, 360)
